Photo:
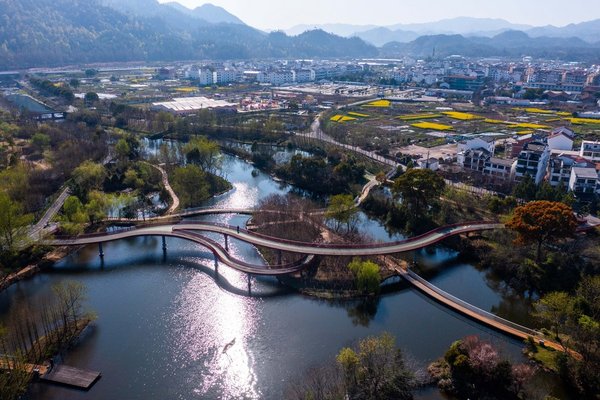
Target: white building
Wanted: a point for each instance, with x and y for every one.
(532, 161)
(560, 165)
(583, 180)
(590, 150)
(487, 143)
(192, 73)
(225, 76)
(431, 163)
(205, 77)
(560, 140)
(305, 75)
(500, 168)
(473, 159)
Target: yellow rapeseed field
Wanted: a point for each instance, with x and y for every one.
(584, 121)
(528, 125)
(187, 89)
(378, 103)
(355, 114)
(433, 126)
(533, 110)
(461, 115)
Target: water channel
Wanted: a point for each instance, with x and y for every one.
(170, 327)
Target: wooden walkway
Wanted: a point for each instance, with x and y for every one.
(30, 368)
(70, 376)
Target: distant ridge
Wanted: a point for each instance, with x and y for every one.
(208, 12)
(59, 32)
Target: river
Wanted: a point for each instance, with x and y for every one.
(169, 327)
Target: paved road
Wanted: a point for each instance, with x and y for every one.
(37, 230)
(40, 228)
(317, 133)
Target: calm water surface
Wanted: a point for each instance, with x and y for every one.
(170, 327)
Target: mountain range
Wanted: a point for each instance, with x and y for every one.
(466, 26)
(59, 32)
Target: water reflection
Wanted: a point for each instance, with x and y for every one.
(210, 329)
(362, 311)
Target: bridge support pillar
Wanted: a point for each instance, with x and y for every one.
(226, 242)
(249, 284)
(164, 244)
(100, 251)
(278, 257)
(216, 263)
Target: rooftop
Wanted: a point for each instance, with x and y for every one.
(193, 103)
(587, 173)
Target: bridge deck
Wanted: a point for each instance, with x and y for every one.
(71, 376)
(472, 312)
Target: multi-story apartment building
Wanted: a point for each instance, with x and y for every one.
(473, 159)
(583, 181)
(225, 76)
(205, 77)
(532, 161)
(560, 165)
(499, 168)
(590, 150)
(305, 75)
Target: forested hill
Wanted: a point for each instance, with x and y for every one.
(59, 32)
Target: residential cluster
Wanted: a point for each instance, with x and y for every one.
(549, 157)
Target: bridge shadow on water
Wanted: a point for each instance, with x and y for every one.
(190, 259)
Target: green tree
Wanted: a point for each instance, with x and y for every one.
(342, 210)
(122, 149)
(368, 277)
(40, 141)
(542, 222)
(15, 182)
(97, 206)
(75, 216)
(91, 97)
(88, 176)
(13, 221)
(132, 179)
(190, 184)
(204, 153)
(376, 370)
(555, 308)
(526, 189)
(418, 188)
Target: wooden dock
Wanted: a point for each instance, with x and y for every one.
(70, 376)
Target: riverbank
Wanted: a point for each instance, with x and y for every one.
(30, 270)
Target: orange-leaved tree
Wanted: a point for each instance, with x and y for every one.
(542, 221)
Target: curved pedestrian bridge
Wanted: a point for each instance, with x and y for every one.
(190, 231)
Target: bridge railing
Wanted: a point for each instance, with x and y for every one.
(477, 310)
(218, 247)
(448, 228)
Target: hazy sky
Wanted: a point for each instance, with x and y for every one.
(282, 14)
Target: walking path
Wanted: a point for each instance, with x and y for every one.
(167, 185)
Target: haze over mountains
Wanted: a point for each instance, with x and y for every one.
(59, 32)
(466, 26)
